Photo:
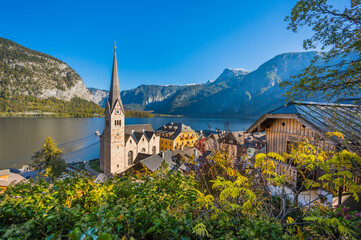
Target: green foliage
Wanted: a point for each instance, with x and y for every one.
(338, 31)
(162, 205)
(159, 207)
(138, 114)
(95, 164)
(336, 170)
(335, 222)
(219, 200)
(49, 158)
(50, 107)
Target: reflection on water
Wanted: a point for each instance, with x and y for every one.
(21, 137)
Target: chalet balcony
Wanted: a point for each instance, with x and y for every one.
(288, 170)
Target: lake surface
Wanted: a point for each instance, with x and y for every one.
(21, 137)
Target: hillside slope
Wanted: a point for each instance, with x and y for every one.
(27, 72)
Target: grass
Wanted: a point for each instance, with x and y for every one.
(95, 165)
(80, 165)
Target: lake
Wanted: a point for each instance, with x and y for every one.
(21, 137)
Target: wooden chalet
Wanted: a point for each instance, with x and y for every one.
(295, 122)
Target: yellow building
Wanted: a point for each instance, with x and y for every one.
(176, 136)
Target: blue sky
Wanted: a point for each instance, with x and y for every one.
(158, 42)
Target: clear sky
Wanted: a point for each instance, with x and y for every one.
(158, 42)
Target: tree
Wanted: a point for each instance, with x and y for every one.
(49, 158)
(336, 72)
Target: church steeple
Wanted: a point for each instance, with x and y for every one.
(114, 93)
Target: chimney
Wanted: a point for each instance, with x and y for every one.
(195, 152)
(181, 147)
(162, 154)
(200, 131)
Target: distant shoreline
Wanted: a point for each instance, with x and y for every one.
(37, 115)
(56, 115)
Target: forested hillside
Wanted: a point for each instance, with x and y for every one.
(27, 72)
(36, 84)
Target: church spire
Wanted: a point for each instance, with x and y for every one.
(114, 93)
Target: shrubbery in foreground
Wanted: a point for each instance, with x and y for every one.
(217, 200)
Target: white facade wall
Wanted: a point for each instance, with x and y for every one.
(130, 145)
(143, 144)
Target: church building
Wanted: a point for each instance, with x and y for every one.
(120, 144)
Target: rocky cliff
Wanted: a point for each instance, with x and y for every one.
(99, 96)
(27, 72)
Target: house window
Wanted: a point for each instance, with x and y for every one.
(143, 150)
(130, 157)
(117, 165)
(130, 140)
(154, 150)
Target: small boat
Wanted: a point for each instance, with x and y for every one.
(97, 133)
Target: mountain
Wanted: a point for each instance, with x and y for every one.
(235, 93)
(157, 98)
(25, 72)
(252, 94)
(99, 96)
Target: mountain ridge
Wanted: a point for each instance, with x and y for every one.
(235, 93)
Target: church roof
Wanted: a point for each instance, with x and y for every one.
(127, 136)
(138, 135)
(149, 134)
(114, 93)
(138, 128)
(137, 131)
(140, 157)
